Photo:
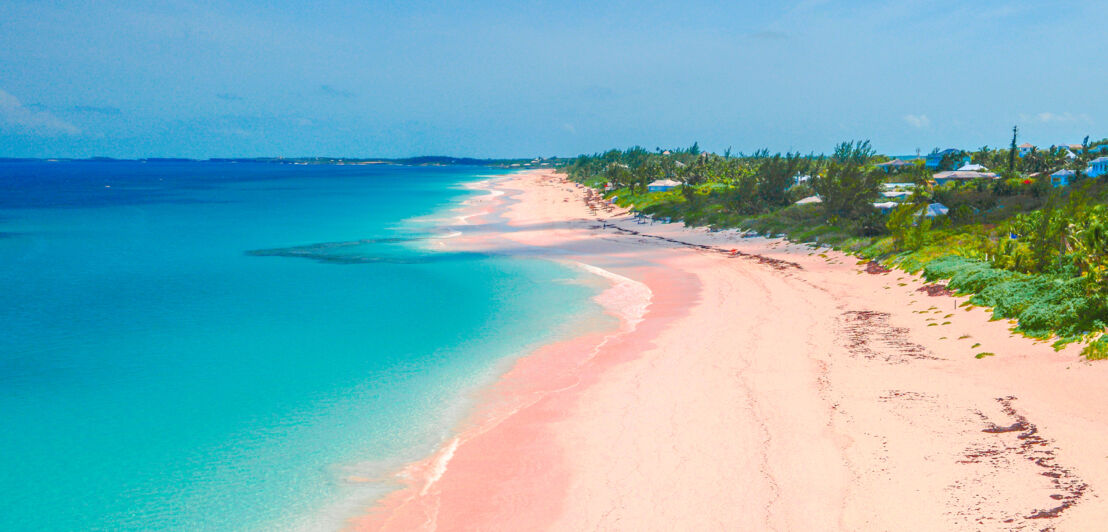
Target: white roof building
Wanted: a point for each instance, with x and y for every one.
(936, 209)
(973, 168)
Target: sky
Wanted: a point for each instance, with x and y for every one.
(476, 78)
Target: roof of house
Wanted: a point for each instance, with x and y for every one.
(885, 204)
(973, 168)
(936, 209)
(1099, 160)
(896, 162)
(1026, 145)
(664, 183)
(944, 152)
(809, 199)
(1063, 173)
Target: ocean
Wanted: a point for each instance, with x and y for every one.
(230, 346)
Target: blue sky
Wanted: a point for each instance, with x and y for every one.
(491, 79)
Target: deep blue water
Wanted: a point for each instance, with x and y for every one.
(220, 345)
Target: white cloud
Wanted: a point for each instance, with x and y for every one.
(919, 121)
(13, 113)
(1057, 118)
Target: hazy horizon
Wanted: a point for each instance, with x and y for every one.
(497, 80)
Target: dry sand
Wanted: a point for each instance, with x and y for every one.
(780, 387)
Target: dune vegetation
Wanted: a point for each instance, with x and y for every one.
(1033, 252)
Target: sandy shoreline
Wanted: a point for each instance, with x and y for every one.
(777, 388)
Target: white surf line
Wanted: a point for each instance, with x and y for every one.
(439, 467)
(627, 298)
(491, 194)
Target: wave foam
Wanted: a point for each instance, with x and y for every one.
(628, 299)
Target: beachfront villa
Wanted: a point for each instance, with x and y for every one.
(1025, 148)
(662, 185)
(943, 178)
(1097, 167)
(1062, 178)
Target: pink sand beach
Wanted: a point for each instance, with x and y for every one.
(754, 384)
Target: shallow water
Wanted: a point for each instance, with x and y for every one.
(223, 346)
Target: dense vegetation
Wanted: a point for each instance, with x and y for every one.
(1032, 252)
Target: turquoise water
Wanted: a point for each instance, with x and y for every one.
(217, 345)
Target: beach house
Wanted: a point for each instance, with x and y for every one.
(1067, 150)
(1062, 178)
(662, 185)
(1097, 167)
(1025, 148)
(935, 158)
